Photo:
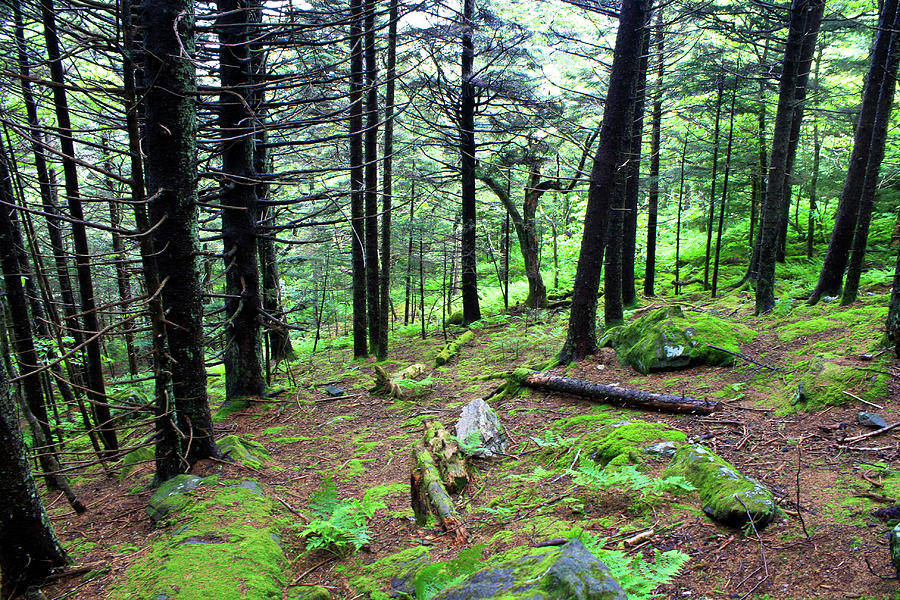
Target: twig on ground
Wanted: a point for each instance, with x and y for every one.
(762, 553)
(863, 436)
(855, 397)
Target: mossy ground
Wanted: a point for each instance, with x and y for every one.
(530, 496)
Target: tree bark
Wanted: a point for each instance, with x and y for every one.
(721, 226)
(170, 130)
(29, 550)
(384, 281)
(616, 396)
(832, 274)
(467, 149)
(655, 148)
(357, 181)
(371, 174)
(93, 364)
(243, 368)
(581, 339)
(710, 219)
(803, 22)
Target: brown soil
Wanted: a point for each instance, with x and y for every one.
(800, 456)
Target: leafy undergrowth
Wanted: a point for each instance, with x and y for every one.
(573, 469)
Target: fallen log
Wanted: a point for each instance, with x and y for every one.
(388, 385)
(613, 395)
(450, 349)
(429, 494)
(450, 461)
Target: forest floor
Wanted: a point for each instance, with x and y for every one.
(363, 442)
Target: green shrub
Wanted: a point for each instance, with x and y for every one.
(340, 524)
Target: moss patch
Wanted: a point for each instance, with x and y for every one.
(823, 383)
(667, 338)
(623, 444)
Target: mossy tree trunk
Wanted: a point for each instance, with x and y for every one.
(243, 370)
(170, 131)
(29, 550)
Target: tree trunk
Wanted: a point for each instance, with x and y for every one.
(617, 396)
(715, 278)
(170, 130)
(633, 177)
(384, 300)
(655, 148)
(814, 180)
(832, 274)
(357, 182)
(581, 339)
(678, 218)
(710, 220)
(371, 174)
(93, 364)
(29, 550)
(243, 369)
(467, 149)
(804, 22)
(876, 155)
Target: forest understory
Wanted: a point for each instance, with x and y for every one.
(363, 442)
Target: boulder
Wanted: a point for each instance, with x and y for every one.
(668, 339)
(869, 419)
(727, 495)
(569, 572)
(172, 496)
(246, 451)
(662, 449)
(825, 381)
(479, 430)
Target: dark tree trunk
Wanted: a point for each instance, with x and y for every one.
(384, 300)
(678, 219)
(613, 310)
(876, 155)
(814, 180)
(45, 187)
(467, 149)
(93, 365)
(803, 23)
(655, 147)
(243, 369)
(409, 308)
(123, 283)
(371, 173)
(710, 220)
(170, 131)
(167, 452)
(581, 339)
(807, 53)
(721, 226)
(832, 273)
(29, 550)
(893, 318)
(280, 347)
(357, 175)
(633, 176)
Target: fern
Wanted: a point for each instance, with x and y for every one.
(340, 524)
(432, 579)
(637, 576)
(629, 478)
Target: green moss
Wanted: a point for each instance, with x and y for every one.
(242, 449)
(370, 578)
(824, 384)
(131, 460)
(225, 547)
(290, 439)
(668, 338)
(354, 468)
(273, 430)
(624, 444)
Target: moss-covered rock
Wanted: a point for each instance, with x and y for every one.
(727, 496)
(569, 572)
(309, 592)
(455, 318)
(223, 546)
(668, 339)
(625, 442)
(247, 451)
(895, 548)
(134, 458)
(824, 384)
(172, 496)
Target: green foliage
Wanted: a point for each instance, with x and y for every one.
(628, 478)
(435, 577)
(473, 443)
(637, 576)
(340, 524)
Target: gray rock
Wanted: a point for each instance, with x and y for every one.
(251, 485)
(333, 390)
(569, 572)
(868, 419)
(727, 495)
(664, 449)
(479, 430)
(172, 496)
(895, 548)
